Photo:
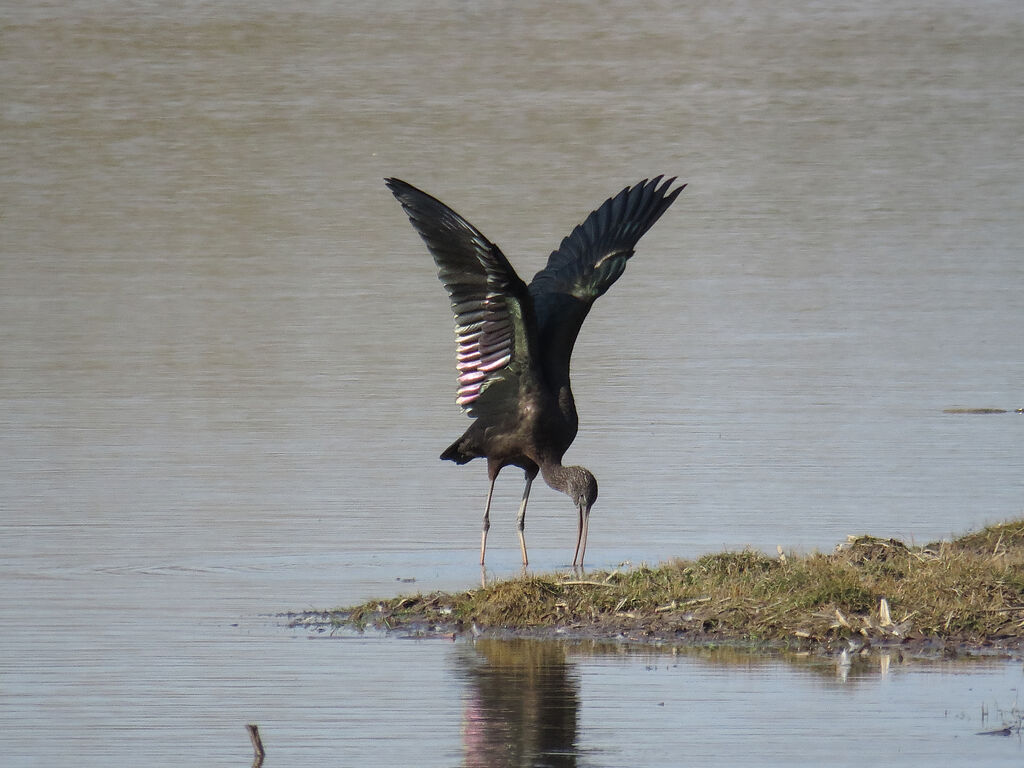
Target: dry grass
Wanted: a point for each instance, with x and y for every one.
(873, 590)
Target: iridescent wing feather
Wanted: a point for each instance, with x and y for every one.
(488, 299)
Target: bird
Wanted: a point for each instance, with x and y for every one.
(514, 341)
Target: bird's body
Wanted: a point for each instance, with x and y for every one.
(514, 341)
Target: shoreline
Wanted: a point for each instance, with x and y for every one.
(946, 599)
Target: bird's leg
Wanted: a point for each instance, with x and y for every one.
(521, 518)
(487, 520)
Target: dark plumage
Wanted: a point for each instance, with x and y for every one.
(514, 341)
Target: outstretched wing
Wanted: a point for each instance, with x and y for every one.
(588, 261)
(491, 304)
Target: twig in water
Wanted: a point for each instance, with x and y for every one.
(257, 745)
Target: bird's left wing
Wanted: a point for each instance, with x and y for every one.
(491, 304)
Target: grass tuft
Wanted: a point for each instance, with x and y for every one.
(870, 590)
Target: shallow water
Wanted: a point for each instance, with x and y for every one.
(226, 366)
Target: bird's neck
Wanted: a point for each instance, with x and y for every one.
(555, 475)
(558, 476)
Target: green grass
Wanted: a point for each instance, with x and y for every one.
(875, 590)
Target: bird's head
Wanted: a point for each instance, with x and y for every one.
(582, 487)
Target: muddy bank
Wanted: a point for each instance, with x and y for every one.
(960, 597)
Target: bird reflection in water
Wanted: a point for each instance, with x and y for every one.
(522, 705)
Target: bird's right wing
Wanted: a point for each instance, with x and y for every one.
(494, 332)
(594, 254)
(588, 261)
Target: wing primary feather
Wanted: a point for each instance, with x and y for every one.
(489, 301)
(609, 233)
(588, 262)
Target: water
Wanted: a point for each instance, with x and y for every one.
(226, 365)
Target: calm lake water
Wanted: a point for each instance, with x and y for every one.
(226, 366)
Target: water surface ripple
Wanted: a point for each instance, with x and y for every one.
(226, 365)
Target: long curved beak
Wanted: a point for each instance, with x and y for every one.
(581, 537)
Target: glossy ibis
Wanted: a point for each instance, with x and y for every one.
(514, 340)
